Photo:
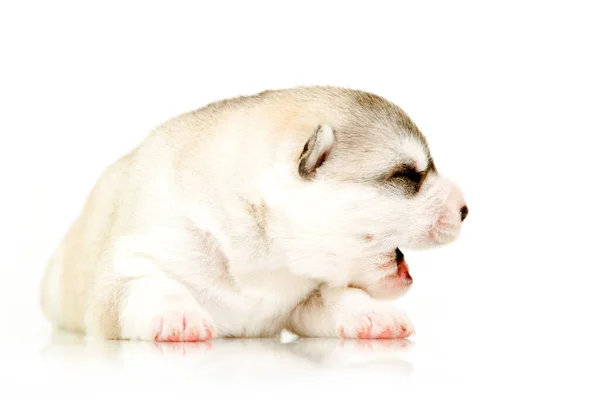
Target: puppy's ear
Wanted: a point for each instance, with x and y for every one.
(315, 151)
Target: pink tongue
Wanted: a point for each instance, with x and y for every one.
(403, 270)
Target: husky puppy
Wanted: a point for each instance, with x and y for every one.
(287, 209)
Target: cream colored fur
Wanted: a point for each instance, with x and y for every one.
(251, 215)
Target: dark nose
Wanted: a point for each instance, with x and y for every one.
(464, 211)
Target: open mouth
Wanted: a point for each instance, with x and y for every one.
(402, 266)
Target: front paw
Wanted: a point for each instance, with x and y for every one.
(382, 323)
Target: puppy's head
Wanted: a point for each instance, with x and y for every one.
(369, 190)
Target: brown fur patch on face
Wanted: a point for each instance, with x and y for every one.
(369, 237)
(380, 106)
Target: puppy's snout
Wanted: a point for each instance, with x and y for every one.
(464, 211)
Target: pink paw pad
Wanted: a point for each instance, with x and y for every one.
(178, 327)
(376, 326)
(387, 333)
(365, 331)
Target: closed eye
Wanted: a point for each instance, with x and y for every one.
(409, 173)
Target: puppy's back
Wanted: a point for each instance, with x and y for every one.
(71, 269)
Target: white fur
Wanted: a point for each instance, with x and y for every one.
(157, 307)
(414, 150)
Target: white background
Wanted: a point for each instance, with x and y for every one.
(507, 93)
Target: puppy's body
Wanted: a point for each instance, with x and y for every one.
(282, 209)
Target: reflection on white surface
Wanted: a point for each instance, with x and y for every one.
(427, 367)
(247, 358)
(72, 365)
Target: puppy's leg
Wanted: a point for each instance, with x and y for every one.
(349, 313)
(153, 307)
